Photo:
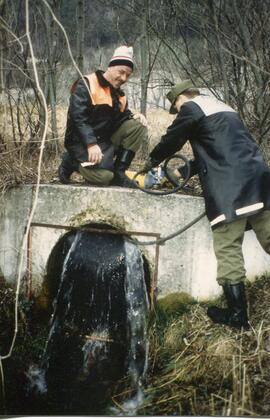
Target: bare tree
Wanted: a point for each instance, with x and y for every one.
(144, 48)
(220, 44)
(3, 44)
(224, 45)
(52, 55)
(81, 33)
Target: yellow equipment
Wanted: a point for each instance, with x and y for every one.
(140, 178)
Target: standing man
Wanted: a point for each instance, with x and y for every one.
(100, 127)
(235, 182)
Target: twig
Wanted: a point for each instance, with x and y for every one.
(36, 192)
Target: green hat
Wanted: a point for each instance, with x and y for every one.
(176, 91)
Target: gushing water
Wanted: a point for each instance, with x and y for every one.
(36, 378)
(37, 375)
(137, 311)
(98, 329)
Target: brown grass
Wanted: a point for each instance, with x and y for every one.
(201, 369)
(19, 149)
(195, 368)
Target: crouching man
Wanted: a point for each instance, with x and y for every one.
(102, 135)
(235, 182)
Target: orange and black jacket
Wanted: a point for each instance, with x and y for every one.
(93, 116)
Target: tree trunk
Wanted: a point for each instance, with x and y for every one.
(51, 77)
(220, 54)
(80, 31)
(144, 49)
(144, 60)
(3, 55)
(3, 48)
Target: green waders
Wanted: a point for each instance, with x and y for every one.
(129, 136)
(231, 273)
(228, 240)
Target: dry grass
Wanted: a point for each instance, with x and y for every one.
(19, 149)
(201, 369)
(15, 171)
(195, 368)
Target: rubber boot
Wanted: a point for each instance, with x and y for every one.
(122, 162)
(66, 168)
(235, 315)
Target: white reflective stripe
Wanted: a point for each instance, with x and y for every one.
(218, 219)
(248, 209)
(210, 105)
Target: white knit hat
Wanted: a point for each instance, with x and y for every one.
(122, 56)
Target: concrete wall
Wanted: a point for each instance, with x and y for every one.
(185, 263)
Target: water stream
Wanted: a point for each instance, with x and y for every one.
(98, 331)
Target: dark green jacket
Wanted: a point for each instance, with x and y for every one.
(234, 177)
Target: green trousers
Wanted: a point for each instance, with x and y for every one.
(228, 240)
(130, 135)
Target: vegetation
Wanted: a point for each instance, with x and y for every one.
(195, 368)
(201, 369)
(221, 45)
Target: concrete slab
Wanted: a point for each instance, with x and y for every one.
(185, 263)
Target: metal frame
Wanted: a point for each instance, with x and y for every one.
(153, 281)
